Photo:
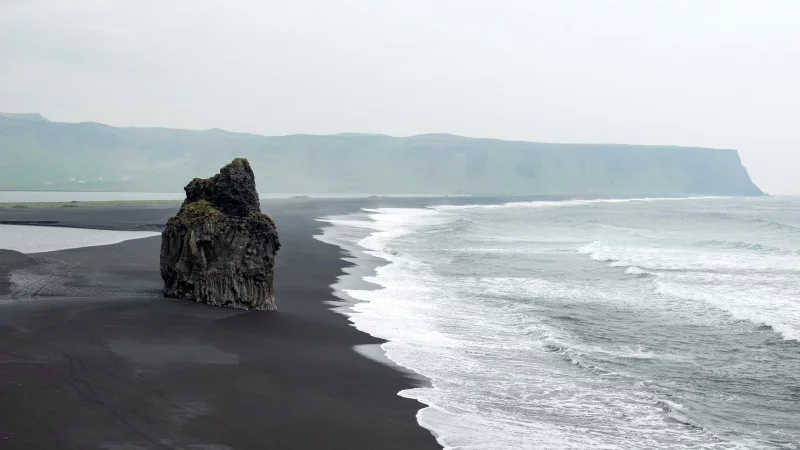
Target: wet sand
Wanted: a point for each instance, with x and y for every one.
(93, 357)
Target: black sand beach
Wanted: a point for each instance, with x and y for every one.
(92, 356)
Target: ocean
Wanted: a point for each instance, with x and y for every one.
(614, 324)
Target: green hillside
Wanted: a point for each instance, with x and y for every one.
(43, 155)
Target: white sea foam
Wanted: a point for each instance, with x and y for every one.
(566, 203)
(633, 270)
(653, 257)
(530, 343)
(37, 239)
(762, 305)
(493, 361)
(757, 287)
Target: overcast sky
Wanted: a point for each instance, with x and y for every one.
(722, 74)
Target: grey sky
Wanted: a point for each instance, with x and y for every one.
(720, 74)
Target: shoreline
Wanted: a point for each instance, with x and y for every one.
(364, 263)
(357, 268)
(306, 363)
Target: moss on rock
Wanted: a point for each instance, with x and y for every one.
(199, 210)
(261, 217)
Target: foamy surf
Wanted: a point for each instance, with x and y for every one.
(550, 327)
(567, 203)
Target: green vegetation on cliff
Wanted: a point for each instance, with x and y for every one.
(38, 154)
(200, 208)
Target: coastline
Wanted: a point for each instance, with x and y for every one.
(105, 369)
(404, 292)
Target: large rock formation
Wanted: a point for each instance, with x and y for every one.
(220, 248)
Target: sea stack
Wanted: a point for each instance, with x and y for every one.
(220, 248)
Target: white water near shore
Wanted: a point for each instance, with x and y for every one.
(588, 324)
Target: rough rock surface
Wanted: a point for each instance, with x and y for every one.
(220, 248)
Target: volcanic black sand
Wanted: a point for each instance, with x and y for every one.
(92, 356)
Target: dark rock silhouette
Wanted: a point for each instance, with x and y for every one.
(220, 248)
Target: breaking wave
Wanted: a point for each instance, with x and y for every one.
(540, 325)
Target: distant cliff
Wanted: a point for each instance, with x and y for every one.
(39, 154)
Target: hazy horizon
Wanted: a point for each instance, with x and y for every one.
(718, 74)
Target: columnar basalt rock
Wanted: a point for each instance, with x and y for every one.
(220, 248)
